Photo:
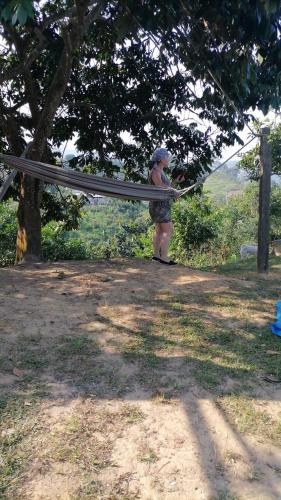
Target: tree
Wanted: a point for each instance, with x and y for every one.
(250, 160)
(99, 69)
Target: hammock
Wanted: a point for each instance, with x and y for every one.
(88, 183)
(93, 184)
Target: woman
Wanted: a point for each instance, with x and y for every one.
(160, 211)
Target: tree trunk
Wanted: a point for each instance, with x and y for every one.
(29, 219)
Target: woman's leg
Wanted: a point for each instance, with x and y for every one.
(166, 233)
(157, 240)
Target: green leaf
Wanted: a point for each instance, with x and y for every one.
(6, 13)
(28, 6)
(17, 11)
(14, 18)
(21, 15)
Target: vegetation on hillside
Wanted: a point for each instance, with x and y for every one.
(227, 181)
(205, 233)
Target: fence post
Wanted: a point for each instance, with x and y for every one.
(264, 201)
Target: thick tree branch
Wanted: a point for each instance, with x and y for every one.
(11, 109)
(73, 35)
(26, 63)
(11, 130)
(30, 85)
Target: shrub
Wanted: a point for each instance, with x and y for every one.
(55, 246)
(196, 222)
(8, 234)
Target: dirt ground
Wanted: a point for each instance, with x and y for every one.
(111, 389)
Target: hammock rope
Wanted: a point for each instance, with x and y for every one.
(204, 177)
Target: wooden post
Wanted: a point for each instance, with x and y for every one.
(264, 201)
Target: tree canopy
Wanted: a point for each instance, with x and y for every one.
(106, 70)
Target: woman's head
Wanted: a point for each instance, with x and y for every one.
(161, 156)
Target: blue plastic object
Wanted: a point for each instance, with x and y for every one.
(276, 327)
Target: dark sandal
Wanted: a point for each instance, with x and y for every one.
(170, 263)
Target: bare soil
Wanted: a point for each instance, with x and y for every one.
(111, 388)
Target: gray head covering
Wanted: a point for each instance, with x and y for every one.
(160, 154)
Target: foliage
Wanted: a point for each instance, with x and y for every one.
(63, 207)
(16, 11)
(239, 222)
(205, 234)
(275, 209)
(250, 160)
(196, 223)
(116, 229)
(8, 234)
(56, 247)
(133, 240)
(135, 72)
(224, 183)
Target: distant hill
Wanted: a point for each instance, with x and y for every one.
(227, 181)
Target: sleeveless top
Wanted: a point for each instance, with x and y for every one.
(164, 178)
(160, 211)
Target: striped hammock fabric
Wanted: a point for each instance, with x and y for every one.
(88, 183)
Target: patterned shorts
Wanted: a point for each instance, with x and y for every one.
(160, 211)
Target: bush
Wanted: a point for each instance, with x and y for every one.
(275, 212)
(204, 233)
(8, 234)
(196, 222)
(55, 246)
(239, 223)
(134, 239)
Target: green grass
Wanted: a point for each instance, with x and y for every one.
(17, 422)
(82, 346)
(226, 495)
(244, 268)
(248, 420)
(216, 331)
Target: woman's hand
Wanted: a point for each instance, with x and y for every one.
(176, 193)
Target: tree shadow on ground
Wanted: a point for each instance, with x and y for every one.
(112, 331)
